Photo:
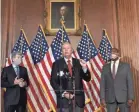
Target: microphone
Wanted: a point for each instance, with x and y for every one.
(66, 72)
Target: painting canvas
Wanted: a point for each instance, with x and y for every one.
(68, 16)
(63, 11)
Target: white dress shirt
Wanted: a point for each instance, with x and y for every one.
(116, 65)
(16, 69)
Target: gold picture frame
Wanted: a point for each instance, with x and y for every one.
(54, 16)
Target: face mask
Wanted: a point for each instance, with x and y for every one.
(17, 62)
(114, 57)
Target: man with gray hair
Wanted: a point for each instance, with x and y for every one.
(15, 79)
(66, 79)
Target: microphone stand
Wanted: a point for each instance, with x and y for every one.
(69, 79)
(60, 87)
(73, 82)
(71, 86)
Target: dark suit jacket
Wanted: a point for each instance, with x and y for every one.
(120, 88)
(60, 65)
(14, 94)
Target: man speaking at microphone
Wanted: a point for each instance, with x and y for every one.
(62, 81)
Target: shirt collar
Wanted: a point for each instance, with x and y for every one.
(68, 59)
(14, 66)
(116, 62)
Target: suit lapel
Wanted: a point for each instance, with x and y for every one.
(20, 71)
(75, 68)
(64, 64)
(73, 62)
(110, 71)
(119, 68)
(12, 71)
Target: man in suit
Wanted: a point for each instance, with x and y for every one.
(66, 76)
(15, 79)
(116, 87)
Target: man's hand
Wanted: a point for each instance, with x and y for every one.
(130, 102)
(103, 103)
(83, 63)
(17, 81)
(22, 84)
(68, 95)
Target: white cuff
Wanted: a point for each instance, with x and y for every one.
(63, 93)
(84, 69)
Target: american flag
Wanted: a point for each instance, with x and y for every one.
(105, 47)
(35, 99)
(44, 57)
(87, 51)
(56, 46)
(38, 49)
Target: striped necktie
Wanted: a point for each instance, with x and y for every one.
(70, 67)
(17, 71)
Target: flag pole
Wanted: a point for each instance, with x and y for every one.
(106, 46)
(88, 33)
(106, 35)
(63, 26)
(89, 48)
(41, 45)
(21, 43)
(89, 59)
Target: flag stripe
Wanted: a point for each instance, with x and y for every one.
(34, 84)
(45, 82)
(46, 102)
(95, 70)
(30, 106)
(32, 101)
(101, 60)
(87, 92)
(50, 58)
(98, 68)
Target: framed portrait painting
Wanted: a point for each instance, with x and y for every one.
(63, 11)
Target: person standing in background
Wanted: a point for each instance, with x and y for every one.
(116, 87)
(15, 79)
